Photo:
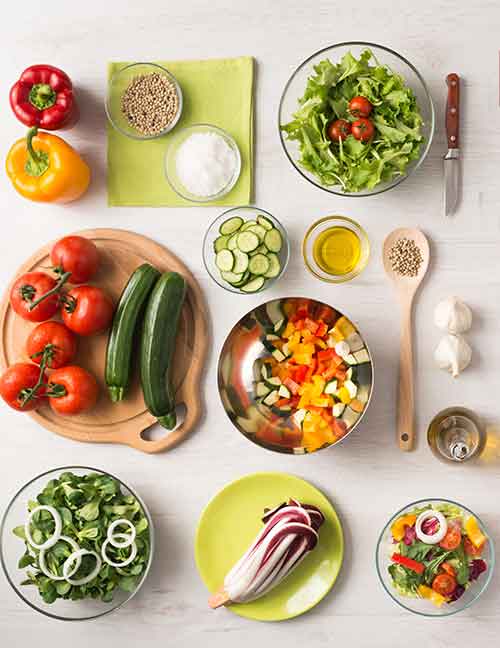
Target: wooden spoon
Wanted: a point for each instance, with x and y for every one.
(406, 288)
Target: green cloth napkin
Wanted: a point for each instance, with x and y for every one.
(216, 91)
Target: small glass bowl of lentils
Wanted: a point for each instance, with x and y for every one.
(144, 101)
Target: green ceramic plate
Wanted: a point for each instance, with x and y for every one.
(231, 521)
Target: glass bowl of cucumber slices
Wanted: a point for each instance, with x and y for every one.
(245, 250)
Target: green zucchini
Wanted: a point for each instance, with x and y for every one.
(159, 334)
(121, 338)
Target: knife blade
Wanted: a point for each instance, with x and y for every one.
(452, 157)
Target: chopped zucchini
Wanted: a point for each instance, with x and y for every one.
(279, 327)
(362, 356)
(271, 398)
(331, 387)
(262, 389)
(338, 409)
(351, 388)
(272, 336)
(299, 417)
(274, 382)
(278, 355)
(284, 392)
(265, 371)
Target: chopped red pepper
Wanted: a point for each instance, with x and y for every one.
(299, 374)
(326, 354)
(43, 96)
(415, 566)
(311, 325)
(292, 385)
(322, 330)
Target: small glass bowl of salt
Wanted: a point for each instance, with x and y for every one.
(202, 162)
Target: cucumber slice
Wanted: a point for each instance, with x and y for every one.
(232, 242)
(232, 277)
(273, 240)
(220, 243)
(259, 230)
(259, 264)
(264, 222)
(231, 225)
(244, 280)
(248, 224)
(240, 261)
(254, 285)
(260, 250)
(247, 241)
(224, 260)
(284, 392)
(262, 390)
(274, 266)
(271, 398)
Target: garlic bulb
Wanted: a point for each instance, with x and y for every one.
(453, 354)
(453, 315)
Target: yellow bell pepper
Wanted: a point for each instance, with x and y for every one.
(289, 330)
(431, 595)
(344, 326)
(398, 527)
(344, 395)
(44, 168)
(319, 385)
(474, 533)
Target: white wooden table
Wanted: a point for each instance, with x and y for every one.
(367, 478)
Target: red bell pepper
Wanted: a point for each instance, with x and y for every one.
(311, 325)
(415, 566)
(322, 330)
(299, 374)
(43, 96)
(292, 385)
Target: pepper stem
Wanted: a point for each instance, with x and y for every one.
(42, 96)
(63, 279)
(38, 161)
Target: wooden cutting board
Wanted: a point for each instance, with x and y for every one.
(121, 253)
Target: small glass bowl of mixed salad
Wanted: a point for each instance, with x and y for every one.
(76, 543)
(356, 119)
(435, 557)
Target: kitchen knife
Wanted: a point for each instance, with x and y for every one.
(452, 158)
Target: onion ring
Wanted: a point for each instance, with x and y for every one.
(43, 565)
(79, 554)
(57, 529)
(128, 537)
(127, 561)
(440, 533)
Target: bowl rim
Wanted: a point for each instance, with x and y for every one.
(491, 566)
(341, 278)
(227, 136)
(270, 282)
(3, 527)
(169, 127)
(384, 187)
(280, 449)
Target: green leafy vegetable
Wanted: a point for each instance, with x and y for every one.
(87, 505)
(352, 164)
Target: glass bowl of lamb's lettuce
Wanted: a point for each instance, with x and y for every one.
(318, 93)
(55, 548)
(435, 557)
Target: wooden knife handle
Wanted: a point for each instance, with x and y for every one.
(452, 109)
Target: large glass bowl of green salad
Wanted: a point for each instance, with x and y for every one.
(76, 543)
(356, 119)
(435, 557)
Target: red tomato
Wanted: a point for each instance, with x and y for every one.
(452, 539)
(72, 390)
(449, 569)
(338, 129)
(87, 310)
(77, 255)
(363, 129)
(27, 289)
(58, 341)
(360, 106)
(470, 549)
(16, 385)
(444, 584)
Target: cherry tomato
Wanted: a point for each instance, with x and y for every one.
(72, 390)
(444, 584)
(28, 288)
(87, 310)
(16, 387)
(77, 255)
(54, 338)
(452, 539)
(338, 129)
(363, 129)
(449, 569)
(472, 550)
(360, 106)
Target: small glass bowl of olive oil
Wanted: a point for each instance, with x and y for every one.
(335, 249)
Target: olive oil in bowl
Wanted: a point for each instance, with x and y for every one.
(335, 249)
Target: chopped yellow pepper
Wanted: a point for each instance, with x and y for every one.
(398, 527)
(431, 595)
(344, 395)
(474, 533)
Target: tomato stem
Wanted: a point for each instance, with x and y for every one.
(62, 280)
(56, 390)
(28, 393)
(49, 350)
